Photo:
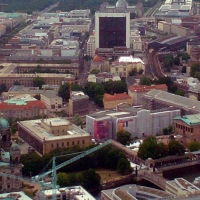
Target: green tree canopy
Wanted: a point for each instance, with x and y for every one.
(95, 71)
(193, 146)
(145, 81)
(133, 72)
(194, 68)
(123, 137)
(176, 148)
(38, 82)
(177, 60)
(185, 56)
(77, 120)
(151, 149)
(64, 91)
(123, 166)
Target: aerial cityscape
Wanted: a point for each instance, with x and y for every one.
(100, 100)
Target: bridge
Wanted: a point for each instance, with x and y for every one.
(157, 180)
(155, 168)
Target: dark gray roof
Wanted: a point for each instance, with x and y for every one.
(184, 102)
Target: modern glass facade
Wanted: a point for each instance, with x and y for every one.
(112, 32)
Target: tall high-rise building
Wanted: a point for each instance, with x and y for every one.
(112, 29)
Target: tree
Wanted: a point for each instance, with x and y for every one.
(123, 166)
(91, 180)
(76, 87)
(112, 158)
(175, 148)
(38, 82)
(95, 71)
(86, 33)
(151, 149)
(194, 68)
(115, 87)
(193, 146)
(62, 179)
(197, 75)
(145, 81)
(123, 137)
(133, 72)
(185, 56)
(146, 149)
(177, 60)
(77, 120)
(180, 92)
(32, 164)
(64, 91)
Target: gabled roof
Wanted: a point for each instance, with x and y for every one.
(145, 88)
(28, 105)
(121, 96)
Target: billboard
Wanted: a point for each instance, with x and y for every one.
(100, 130)
(123, 123)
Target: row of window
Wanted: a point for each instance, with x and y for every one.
(185, 128)
(67, 144)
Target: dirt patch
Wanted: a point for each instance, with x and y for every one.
(107, 175)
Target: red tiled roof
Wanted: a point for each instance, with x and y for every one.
(145, 88)
(29, 105)
(121, 96)
(98, 58)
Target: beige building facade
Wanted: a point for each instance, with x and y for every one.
(125, 64)
(52, 102)
(111, 101)
(45, 135)
(27, 79)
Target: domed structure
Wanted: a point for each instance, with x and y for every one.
(4, 123)
(121, 4)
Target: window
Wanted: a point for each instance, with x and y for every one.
(57, 145)
(63, 144)
(72, 142)
(83, 141)
(51, 145)
(77, 142)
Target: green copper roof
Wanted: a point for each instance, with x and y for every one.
(189, 119)
(16, 102)
(4, 123)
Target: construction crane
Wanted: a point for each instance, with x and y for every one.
(2, 6)
(53, 184)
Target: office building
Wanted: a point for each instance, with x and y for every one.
(78, 103)
(112, 29)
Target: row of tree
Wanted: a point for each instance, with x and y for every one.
(169, 60)
(95, 91)
(26, 6)
(150, 148)
(106, 157)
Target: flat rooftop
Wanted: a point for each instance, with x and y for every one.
(77, 192)
(35, 128)
(14, 196)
